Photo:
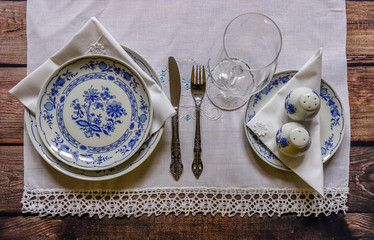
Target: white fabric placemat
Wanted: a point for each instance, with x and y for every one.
(234, 179)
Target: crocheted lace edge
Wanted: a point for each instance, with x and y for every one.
(188, 201)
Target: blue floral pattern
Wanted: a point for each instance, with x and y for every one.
(330, 141)
(331, 103)
(93, 124)
(87, 97)
(290, 108)
(282, 142)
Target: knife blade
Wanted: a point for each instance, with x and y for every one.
(176, 166)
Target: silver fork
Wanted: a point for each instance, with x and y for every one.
(198, 91)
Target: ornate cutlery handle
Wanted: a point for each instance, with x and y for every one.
(197, 164)
(176, 166)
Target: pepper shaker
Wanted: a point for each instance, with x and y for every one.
(302, 104)
(293, 139)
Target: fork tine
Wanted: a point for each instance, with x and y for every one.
(200, 76)
(197, 75)
(204, 80)
(193, 75)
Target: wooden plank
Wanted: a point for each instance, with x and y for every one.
(13, 44)
(11, 178)
(11, 116)
(189, 227)
(361, 99)
(360, 34)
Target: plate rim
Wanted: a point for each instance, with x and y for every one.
(285, 168)
(111, 59)
(158, 135)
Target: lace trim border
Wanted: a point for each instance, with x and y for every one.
(188, 201)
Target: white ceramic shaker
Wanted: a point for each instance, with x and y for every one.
(302, 104)
(293, 139)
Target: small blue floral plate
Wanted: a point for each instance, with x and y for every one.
(94, 112)
(331, 112)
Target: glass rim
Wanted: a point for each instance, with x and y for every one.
(263, 15)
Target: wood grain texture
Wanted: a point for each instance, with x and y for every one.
(11, 117)
(358, 223)
(13, 32)
(181, 227)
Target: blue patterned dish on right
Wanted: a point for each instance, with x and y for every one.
(331, 112)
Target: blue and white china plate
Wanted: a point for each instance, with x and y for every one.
(94, 112)
(331, 113)
(138, 158)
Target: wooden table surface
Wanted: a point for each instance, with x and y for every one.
(357, 223)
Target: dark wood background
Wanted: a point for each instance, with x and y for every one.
(358, 223)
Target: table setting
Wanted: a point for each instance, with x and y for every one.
(139, 108)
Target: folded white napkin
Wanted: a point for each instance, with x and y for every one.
(93, 38)
(309, 167)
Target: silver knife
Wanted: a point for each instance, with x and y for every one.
(176, 166)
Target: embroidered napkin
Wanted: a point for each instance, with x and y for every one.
(93, 38)
(309, 167)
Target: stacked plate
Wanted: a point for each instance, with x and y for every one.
(93, 118)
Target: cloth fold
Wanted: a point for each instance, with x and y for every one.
(234, 181)
(309, 167)
(93, 38)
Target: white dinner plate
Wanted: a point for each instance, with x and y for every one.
(331, 114)
(139, 157)
(94, 112)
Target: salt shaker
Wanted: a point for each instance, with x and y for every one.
(293, 139)
(302, 104)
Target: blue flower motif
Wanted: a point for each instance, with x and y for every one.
(99, 105)
(127, 76)
(91, 95)
(323, 91)
(132, 143)
(290, 108)
(105, 95)
(60, 81)
(102, 65)
(117, 70)
(334, 112)
(88, 132)
(97, 120)
(283, 142)
(143, 118)
(187, 116)
(48, 106)
(138, 132)
(109, 126)
(115, 110)
(330, 102)
(64, 148)
(54, 92)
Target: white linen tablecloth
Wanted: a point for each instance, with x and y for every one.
(234, 179)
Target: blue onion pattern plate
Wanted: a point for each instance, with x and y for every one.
(94, 112)
(331, 112)
(138, 158)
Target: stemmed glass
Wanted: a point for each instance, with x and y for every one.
(245, 62)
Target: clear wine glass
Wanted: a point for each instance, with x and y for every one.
(245, 62)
